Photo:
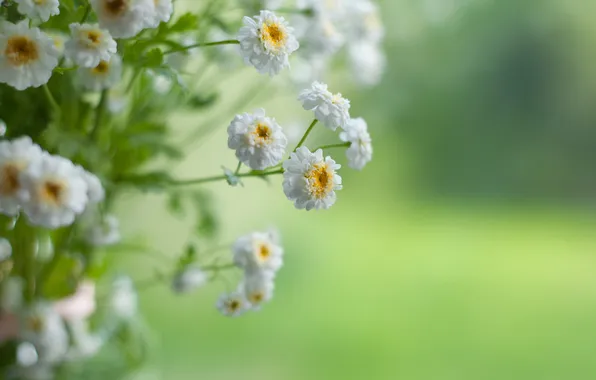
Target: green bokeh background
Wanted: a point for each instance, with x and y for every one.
(466, 250)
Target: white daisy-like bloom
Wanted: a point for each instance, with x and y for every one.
(27, 55)
(103, 76)
(38, 9)
(360, 151)
(258, 288)
(266, 42)
(124, 18)
(43, 327)
(123, 302)
(2, 128)
(311, 180)
(89, 45)
(15, 157)
(55, 192)
(368, 62)
(95, 190)
(162, 12)
(105, 232)
(188, 280)
(59, 39)
(5, 249)
(258, 140)
(333, 110)
(232, 304)
(258, 251)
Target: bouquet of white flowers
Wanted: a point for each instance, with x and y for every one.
(86, 91)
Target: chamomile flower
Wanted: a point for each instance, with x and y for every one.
(360, 151)
(124, 18)
(56, 192)
(15, 157)
(5, 249)
(38, 9)
(162, 12)
(105, 232)
(258, 251)
(266, 42)
(332, 110)
(310, 180)
(27, 55)
(44, 328)
(89, 45)
(258, 288)
(232, 304)
(189, 279)
(258, 140)
(103, 76)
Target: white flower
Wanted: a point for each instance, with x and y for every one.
(232, 304)
(258, 140)
(89, 45)
(310, 180)
(258, 288)
(55, 192)
(27, 56)
(41, 9)
(124, 18)
(85, 344)
(2, 128)
(15, 157)
(162, 12)
(103, 76)
(188, 280)
(26, 354)
(105, 232)
(364, 22)
(258, 251)
(95, 190)
(59, 38)
(79, 306)
(124, 299)
(44, 328)
(331, 109)
(368, 63)
(360, 151)
(266, 42)
(5, 249)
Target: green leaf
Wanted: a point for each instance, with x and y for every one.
(186, 22)
(62, 281)
(153, 58)
(157, 180)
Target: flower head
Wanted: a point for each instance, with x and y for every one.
(55, 192)
(360, 151)
(258, 288)
(105, 232)
(258, 140)
(330, 109)
(310, 180)
(27, 56)
(15, 157)
(41, 9)
(162, 12)
(232, 304)
(103, 76)
(43, 327)
(89, 45)
(124, 18)
(258, 251)
(189, 279)
(266, 42)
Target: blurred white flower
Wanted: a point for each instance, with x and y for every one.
(15, 157)
(258, 251)
(123, 299)
(103, 76)
(124, 18)
(232, 304)
(85, 344)
(117, 101)
(26, 354)
(266, 42)
(28, 55)
(2, 128)
(5, 249)
(310, 180)
(188, 280)
(43, 327)
(258, 288)
(332, 110)
(258, 140)
(59, 38)
(360, 151)
(162, 12)
(364, 22)
(38, 9)
(95, 190)
(79, 306)
(367, 62)
(105, 232)
(55, 192)
(89, 45)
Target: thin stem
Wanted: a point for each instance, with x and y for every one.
(201, 44)
(133, 79)
(217, 268)
(51, 98)
(342, 145)
(199, 181)
(238, 168)
(99, 112)
(86, 14)
(312, 125)
(305, 12)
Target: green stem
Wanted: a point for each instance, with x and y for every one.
(133, 79)
(202, 44)
(312, 125)
(87, 13)
(238, 168)
(51, 98)
(306, 12)
(99, 112)
(25, 240)
(222, 178)
(342, 145)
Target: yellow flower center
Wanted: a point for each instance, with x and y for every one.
(20, 50)
(35, 324)
(273, 34)
(320, 179)
(263, 252)
(101, 69)
(262, 134)
(233, 305)
(94, 37)
(52, 191)
(39, 2)
(256, 298)
(9, 179)
(115, 7)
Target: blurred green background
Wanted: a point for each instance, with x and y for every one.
(465, 250)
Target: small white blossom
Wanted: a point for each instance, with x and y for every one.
(55, 192)
(266, 42)
(368, 62)
(26, 354)
(27, 56)
(89, 45)
(44, 328)
(162, 12)
(103, 76)
(2, 128)
(364, 22)
(41, 9)
(59, 38)
(5, 249)
(258, 140)
(330, 109)
(105, 232)
(232, 304)
(258, 288)
(360, 151)
(124, 299)
(124, 18)
(310, 180)
(188, 280)
(258, 251)
(15, 157)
